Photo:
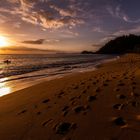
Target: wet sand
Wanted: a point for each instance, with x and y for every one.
(99, 105)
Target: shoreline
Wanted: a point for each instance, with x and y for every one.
(27, 80)
(101, 104)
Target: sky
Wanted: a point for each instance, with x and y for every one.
(67, 25)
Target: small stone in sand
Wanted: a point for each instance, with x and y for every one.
(63, 128)
(119, 121)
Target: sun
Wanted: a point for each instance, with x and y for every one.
(3, 41)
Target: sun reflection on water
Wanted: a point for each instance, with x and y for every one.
(4, 89)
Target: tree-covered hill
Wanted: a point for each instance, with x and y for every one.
(120, 45)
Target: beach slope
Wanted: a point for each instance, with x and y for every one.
(99, 105)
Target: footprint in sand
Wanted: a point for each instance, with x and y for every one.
(82, 83)
(133, 87)
(22, 112)
(107, 80)
(38, 113)
(105, 84)
(47, 122)
(94, 83)
(134, 83)
(60, 94)
(72, 98)
(65, 110)
(91, 98)
(97, 81)
(90, 79)
(121, 84)
(98, 90)
(114, 77)
(76, 87)
(132, 79)
(121, 96)
(78, 109)
(63, 128)
(79, 97)
(117, 89)
(119, 121)
(46, 101)
(118, 106)
(135, 94)
(35, 106)
(125, 77)
(135, 103)
(84, 91)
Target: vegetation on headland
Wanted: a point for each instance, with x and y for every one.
(120, 45)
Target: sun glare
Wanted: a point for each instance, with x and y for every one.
(3, 41)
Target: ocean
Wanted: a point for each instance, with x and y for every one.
(26, 70)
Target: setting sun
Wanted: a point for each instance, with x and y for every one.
(3, 41)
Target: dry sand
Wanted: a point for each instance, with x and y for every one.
(99, 105)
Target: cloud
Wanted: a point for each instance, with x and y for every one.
(98, 30)
(118, 12)
(134, 30)
(34, 42)
(45, 13)
(24, 50)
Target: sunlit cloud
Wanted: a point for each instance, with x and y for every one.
(78, 22)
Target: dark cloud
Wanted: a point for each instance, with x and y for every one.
(34, 42)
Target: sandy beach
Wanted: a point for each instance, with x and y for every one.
(98, 105)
